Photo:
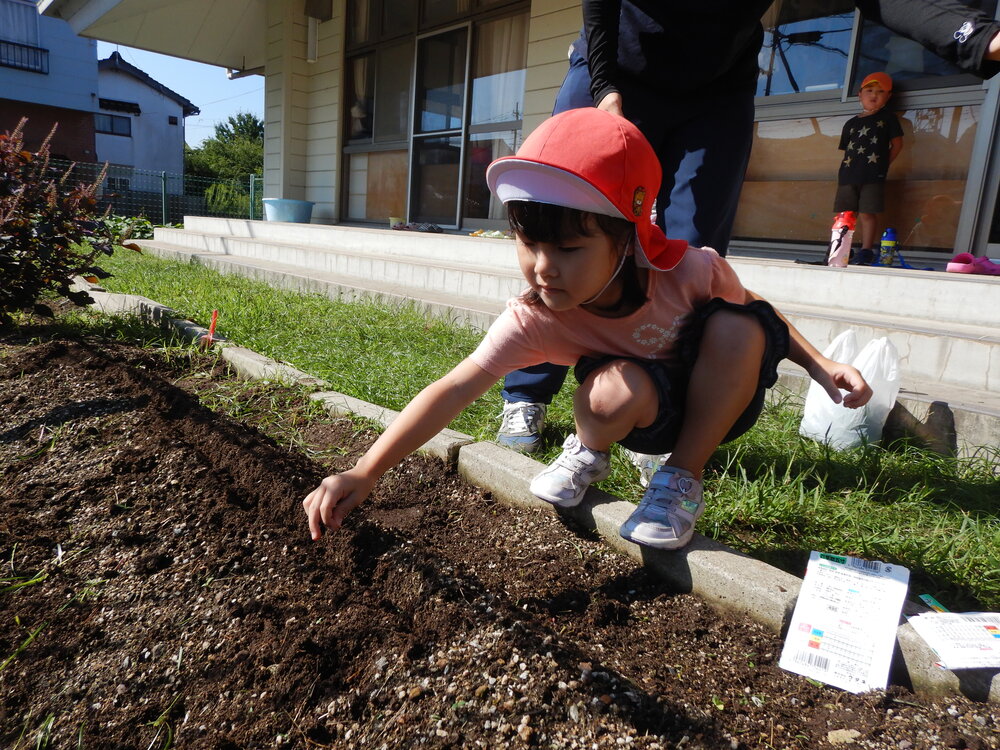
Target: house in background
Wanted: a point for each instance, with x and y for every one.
(106, 111)
(379, 108)
(49, 75)
(139, 125)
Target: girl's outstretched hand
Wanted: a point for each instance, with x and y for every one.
(837, 376)
(336, 496)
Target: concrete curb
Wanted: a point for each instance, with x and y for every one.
(726, 578)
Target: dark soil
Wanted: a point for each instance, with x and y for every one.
(159, 589)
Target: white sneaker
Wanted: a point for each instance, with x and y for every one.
(647, 464)
(521, 426)
(667, 512)
(566, 479)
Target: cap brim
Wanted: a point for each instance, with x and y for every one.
(513, 179)
(657, 252)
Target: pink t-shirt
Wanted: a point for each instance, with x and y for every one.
(526, 335)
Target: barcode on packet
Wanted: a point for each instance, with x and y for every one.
(988, 620)
(872, 566)
(813, 660)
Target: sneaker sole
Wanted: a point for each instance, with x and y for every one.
(521, 446)
(669, 544)
(634, 535)
(562, 502)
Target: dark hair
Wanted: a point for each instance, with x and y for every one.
(544, 222)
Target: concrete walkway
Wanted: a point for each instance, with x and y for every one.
(726, 578)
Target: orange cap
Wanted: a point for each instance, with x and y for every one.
(877, 79)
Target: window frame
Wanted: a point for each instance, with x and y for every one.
(112, 119)
(481, 12)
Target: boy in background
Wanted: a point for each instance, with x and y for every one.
(870, 141)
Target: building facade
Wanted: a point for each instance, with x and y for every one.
(49, 75)
(139, 125)
(384, 108)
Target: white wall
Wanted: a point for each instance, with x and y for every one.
(554, 25)
(302, 103)
(72, 79)
(155, 143)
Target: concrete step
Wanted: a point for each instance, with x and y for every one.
(931, 296)
(474, 311)
(475, 251)
(419, 275)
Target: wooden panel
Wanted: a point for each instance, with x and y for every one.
(386, 184)
(924, 213)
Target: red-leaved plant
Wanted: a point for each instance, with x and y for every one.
(50, 228)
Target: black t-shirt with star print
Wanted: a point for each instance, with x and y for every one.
(865, 142)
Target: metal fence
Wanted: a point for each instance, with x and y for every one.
(167, 197)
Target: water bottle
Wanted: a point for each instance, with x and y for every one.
(841, 236)
(887, 248)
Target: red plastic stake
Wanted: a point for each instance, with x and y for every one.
(211, 329)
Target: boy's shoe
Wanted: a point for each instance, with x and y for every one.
(864, 257)
(521, 426)
(667, 512)
(566, 479)
(646, 463)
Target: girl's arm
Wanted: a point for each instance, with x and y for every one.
(427, 414)
(833, 376)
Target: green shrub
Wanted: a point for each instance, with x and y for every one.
(227, 199)
(125, 228)
(49, 230)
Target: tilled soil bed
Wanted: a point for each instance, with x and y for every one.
(159, 589)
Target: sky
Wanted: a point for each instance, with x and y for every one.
(205, 86)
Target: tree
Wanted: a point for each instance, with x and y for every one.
(236, 150)
(241, 125)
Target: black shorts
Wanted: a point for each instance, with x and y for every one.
(866, 199)
(671, 379)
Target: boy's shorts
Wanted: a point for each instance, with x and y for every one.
(671, 379)
(866, 199)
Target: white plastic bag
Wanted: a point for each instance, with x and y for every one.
(835, 424)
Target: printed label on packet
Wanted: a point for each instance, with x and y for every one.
(844, 626)
(962, 640)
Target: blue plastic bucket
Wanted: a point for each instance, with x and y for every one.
(285, 209)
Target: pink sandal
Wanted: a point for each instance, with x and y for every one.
(968, 263)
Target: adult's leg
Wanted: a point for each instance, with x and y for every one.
(540, 384)
(574, 93)
(703, 148)
(536, 384)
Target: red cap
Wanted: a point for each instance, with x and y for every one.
(877, 79)
(593, 161)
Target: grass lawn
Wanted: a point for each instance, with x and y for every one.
(770, 493)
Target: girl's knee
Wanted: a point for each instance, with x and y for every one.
(617, 386)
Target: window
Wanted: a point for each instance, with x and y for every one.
(910, 65)
(19, 22)
(794, 164)
(427, 110)
(172, 119)
(119, 184)
(113, 124)
(394, 67)
(806, 43)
